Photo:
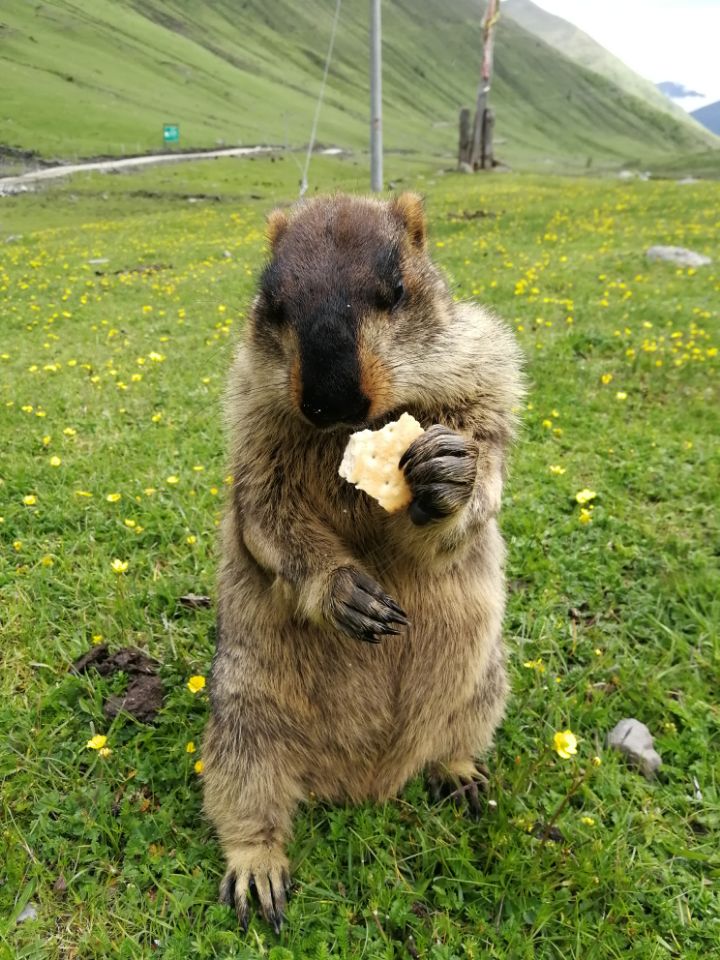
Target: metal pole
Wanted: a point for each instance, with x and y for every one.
(376, 150)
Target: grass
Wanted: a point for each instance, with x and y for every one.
(116, 368)
(76, 83)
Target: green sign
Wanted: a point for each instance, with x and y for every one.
(171, 133)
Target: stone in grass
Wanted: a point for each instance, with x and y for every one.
(680, 256)
(29, 912)
(635, 740)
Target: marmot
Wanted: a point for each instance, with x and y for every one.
(351, 326)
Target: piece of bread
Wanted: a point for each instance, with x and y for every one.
(371, 462)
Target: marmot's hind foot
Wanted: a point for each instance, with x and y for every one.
(462, 783)
(266, 872)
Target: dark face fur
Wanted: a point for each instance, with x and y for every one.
(347, 284)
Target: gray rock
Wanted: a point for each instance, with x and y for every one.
(29, 912)
(680, 256)
(633, 738)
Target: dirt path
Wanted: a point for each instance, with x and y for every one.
(12, 184)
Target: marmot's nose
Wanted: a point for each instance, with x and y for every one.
(327, 414)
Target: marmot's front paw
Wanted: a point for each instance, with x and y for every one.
(359, 607)
(264, 870)
(440, 467)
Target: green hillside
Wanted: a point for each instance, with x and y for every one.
(578, 46)
(86, 79)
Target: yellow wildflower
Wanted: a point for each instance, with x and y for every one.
(97, 742)
(585, 496)
(30, 500)
(535, 665)
(190, 747)
(55, 461)
(172, 479)
(119, 566)
(588, 821)
(199, 766)
(585, 515)
(606, 378)
(556, 469)
(105, 751)
(565, 744)
(191, 539)
(113, 497)
(621, 395)
(196, 683)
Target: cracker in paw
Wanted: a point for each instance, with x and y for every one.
(372, 459)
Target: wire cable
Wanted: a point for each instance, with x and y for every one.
(313, 133)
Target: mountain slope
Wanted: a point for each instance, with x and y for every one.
(102, 79)
(709, 116)
(578, 46)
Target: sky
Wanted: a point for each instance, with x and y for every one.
(675, 40)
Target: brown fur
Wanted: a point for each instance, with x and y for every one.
(298, 705)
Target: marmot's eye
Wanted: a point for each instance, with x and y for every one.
(398, 293)
(274, 310)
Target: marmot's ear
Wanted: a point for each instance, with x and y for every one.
(409, 208)
(277, 224)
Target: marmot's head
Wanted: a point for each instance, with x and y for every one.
(348, 306)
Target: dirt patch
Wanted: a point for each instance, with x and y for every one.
(144, 695)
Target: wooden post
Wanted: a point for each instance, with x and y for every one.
(487, 160)
(491, 18)
(464, 147)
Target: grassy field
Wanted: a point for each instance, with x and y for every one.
(121, 301)
(83, 83)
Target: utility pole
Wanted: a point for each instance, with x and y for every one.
(376, 149)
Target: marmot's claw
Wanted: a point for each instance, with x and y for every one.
(271, 887)
(440, 468)
(361, 608)
(440, 440)
(460, 790)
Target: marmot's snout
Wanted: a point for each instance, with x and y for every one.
(329, 390)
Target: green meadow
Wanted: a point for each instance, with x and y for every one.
(121, 299)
